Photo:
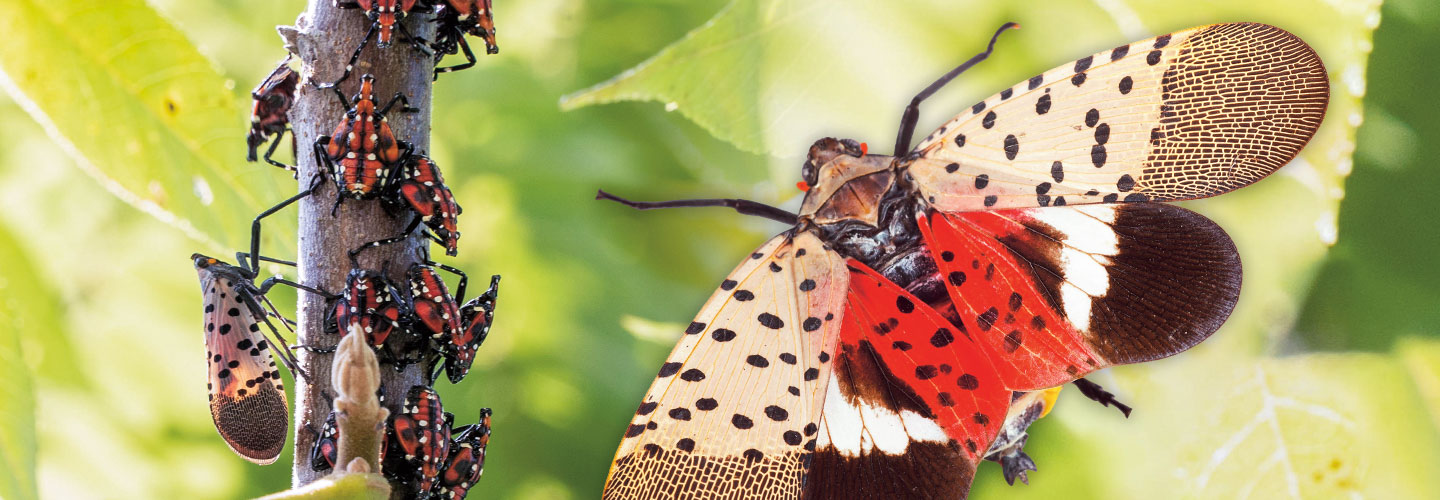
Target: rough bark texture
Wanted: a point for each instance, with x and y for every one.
(323, 38)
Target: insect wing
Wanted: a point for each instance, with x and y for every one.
(912, 405)
(1191, 114)
(728, 412)
(1050, 294)
(247, 397)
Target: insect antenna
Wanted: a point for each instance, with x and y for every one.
(912, 112)
(746, 207)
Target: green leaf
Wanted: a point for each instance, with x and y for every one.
(17, 392)
(140, 110)
(1314, 426)
(1422, 358)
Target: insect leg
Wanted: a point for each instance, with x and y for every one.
(283, 352)
(469, 58)
(270, 282)
(1100, 395)
(404, 102)
(912, 112)
(416, 42)
(355, 254)
(244, 257)
(459, 289)
(255, 225)
(350, 67)
(275, 144)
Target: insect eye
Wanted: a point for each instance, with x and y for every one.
(808, 174)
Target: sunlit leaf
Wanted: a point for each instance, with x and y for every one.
(1312, 426)
(1422, 358)
(17, 389)
(125, 94)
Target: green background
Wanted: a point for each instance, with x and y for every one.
(124, 124)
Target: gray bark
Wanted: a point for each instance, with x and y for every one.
(324, 38)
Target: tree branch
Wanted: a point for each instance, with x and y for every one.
(323, 38)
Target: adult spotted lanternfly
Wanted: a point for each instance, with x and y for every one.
(873, 349)
(247, 398)
(270, 115)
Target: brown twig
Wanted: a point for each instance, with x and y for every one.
(323, 39)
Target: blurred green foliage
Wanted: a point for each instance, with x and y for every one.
(102, 298)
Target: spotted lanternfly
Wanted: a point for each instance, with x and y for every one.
(421, 442)
(467, 459)
(476, 317)
(453, 20)
(370, 304)
(325, 448)
(269, 117)
(421, 189)
(873, 349)
(435, 314)
(247, 397)
(385, 18)
(362, 153)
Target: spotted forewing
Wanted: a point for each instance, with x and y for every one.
(247, 397)
(1191, 114)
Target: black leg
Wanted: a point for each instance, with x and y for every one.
(405, 105)
(327, 167)
(438, 241)
(270, 282)
(469, 58)
(912, 112)
(244, 257)
(397, 171)
(350, 66)
(355, 253)
(459, 290)
(255, 226)
(282, 348)
(1100, 395)
(276, 143)
(415, 42)
(746, 207)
